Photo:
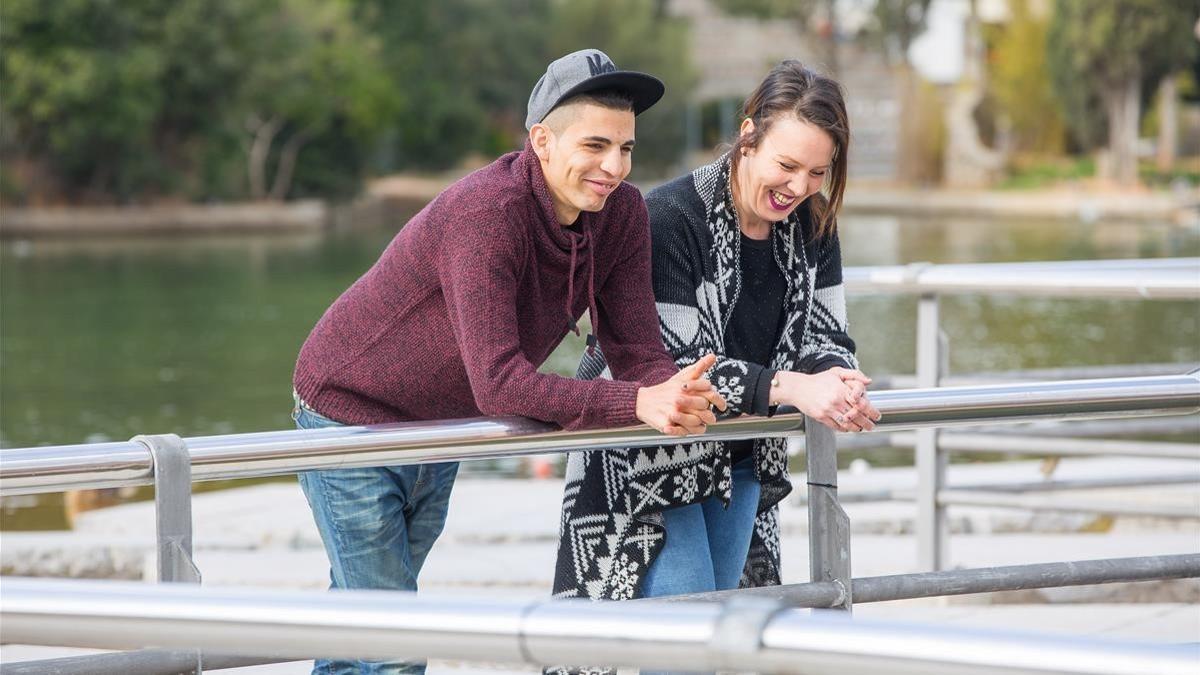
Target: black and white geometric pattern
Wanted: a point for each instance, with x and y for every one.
(611, 527)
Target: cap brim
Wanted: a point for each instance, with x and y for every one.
(645, 90)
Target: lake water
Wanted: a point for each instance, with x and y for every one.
(102, 339)
(107, 338)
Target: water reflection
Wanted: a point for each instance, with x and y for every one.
(107, 338)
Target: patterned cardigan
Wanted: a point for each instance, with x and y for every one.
(611, 528)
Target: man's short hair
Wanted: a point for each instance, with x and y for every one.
(613, 99)
(560, 117)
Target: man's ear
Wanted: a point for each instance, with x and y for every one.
(540, 138)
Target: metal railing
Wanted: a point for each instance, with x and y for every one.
(65, 467)
(1144, 279)
(146, 459)
(827, 594)
(743, 634)
(1015, 495)
(909, 415)
(1138, 278)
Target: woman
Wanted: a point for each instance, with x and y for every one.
(746, 265)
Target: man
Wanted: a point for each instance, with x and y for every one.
(471, 297)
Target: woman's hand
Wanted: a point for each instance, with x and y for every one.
(860, 414)
(680, 406)
(836, 398)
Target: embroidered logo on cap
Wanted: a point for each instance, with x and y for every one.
(599, 65)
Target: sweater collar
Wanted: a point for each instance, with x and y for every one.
(721, 219)
(551, 233)
(562, 237)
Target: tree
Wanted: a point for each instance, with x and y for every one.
(638, 36)
(315, 72)
(81, 94)
(1020, 82)
(462, 70)
(162, 99)
(140, 100)
(1113, 53)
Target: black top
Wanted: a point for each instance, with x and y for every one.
(697, 282)
(754, 325)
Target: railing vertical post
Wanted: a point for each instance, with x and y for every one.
(173, 517)
(828, 524)
(931, 463)
(172, 507)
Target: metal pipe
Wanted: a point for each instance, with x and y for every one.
(908, 495)
(1068, 436)
(966, 582)
(1086, 483)
(1025, 402)
(930, 461)
(1145, 264)
(828, 524)
(688, 636)
(64, 467)
(56, 468)
(1188, 426)
(961, 497)
(140, 662)
(905, 381)
(794, 643)
(1022, 577)
(1172, 279)
(1042, 445)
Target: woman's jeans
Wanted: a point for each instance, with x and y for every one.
(706, 543)
(378, 525)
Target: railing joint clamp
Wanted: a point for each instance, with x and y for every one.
(172, 465)
(739, 628)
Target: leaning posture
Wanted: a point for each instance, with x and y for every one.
(746, 265)
(470, 298)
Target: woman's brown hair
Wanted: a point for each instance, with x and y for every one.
(813, 98)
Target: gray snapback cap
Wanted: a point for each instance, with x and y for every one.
(589, 70)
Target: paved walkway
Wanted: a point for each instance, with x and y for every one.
(501, 534)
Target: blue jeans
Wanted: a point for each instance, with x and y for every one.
(706, 543)
(377, 525)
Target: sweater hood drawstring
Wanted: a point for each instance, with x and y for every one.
(591, 263)
(553, 236)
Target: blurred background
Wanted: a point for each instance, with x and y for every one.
(186, 185)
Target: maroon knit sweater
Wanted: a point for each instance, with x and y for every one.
(471, 297)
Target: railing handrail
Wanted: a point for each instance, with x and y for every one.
(56, 468)
(1155, 279)
(744, 634)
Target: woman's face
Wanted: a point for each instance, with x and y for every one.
(788, 166)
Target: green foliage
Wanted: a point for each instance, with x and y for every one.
(321, 78)
(1094, 47)
(1020, 82)
(637, 37)
(138, 99)
(81, 87)
(463, 69)
(923, 130)
(1042, 172)
(1186, 172)
(149, 99)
